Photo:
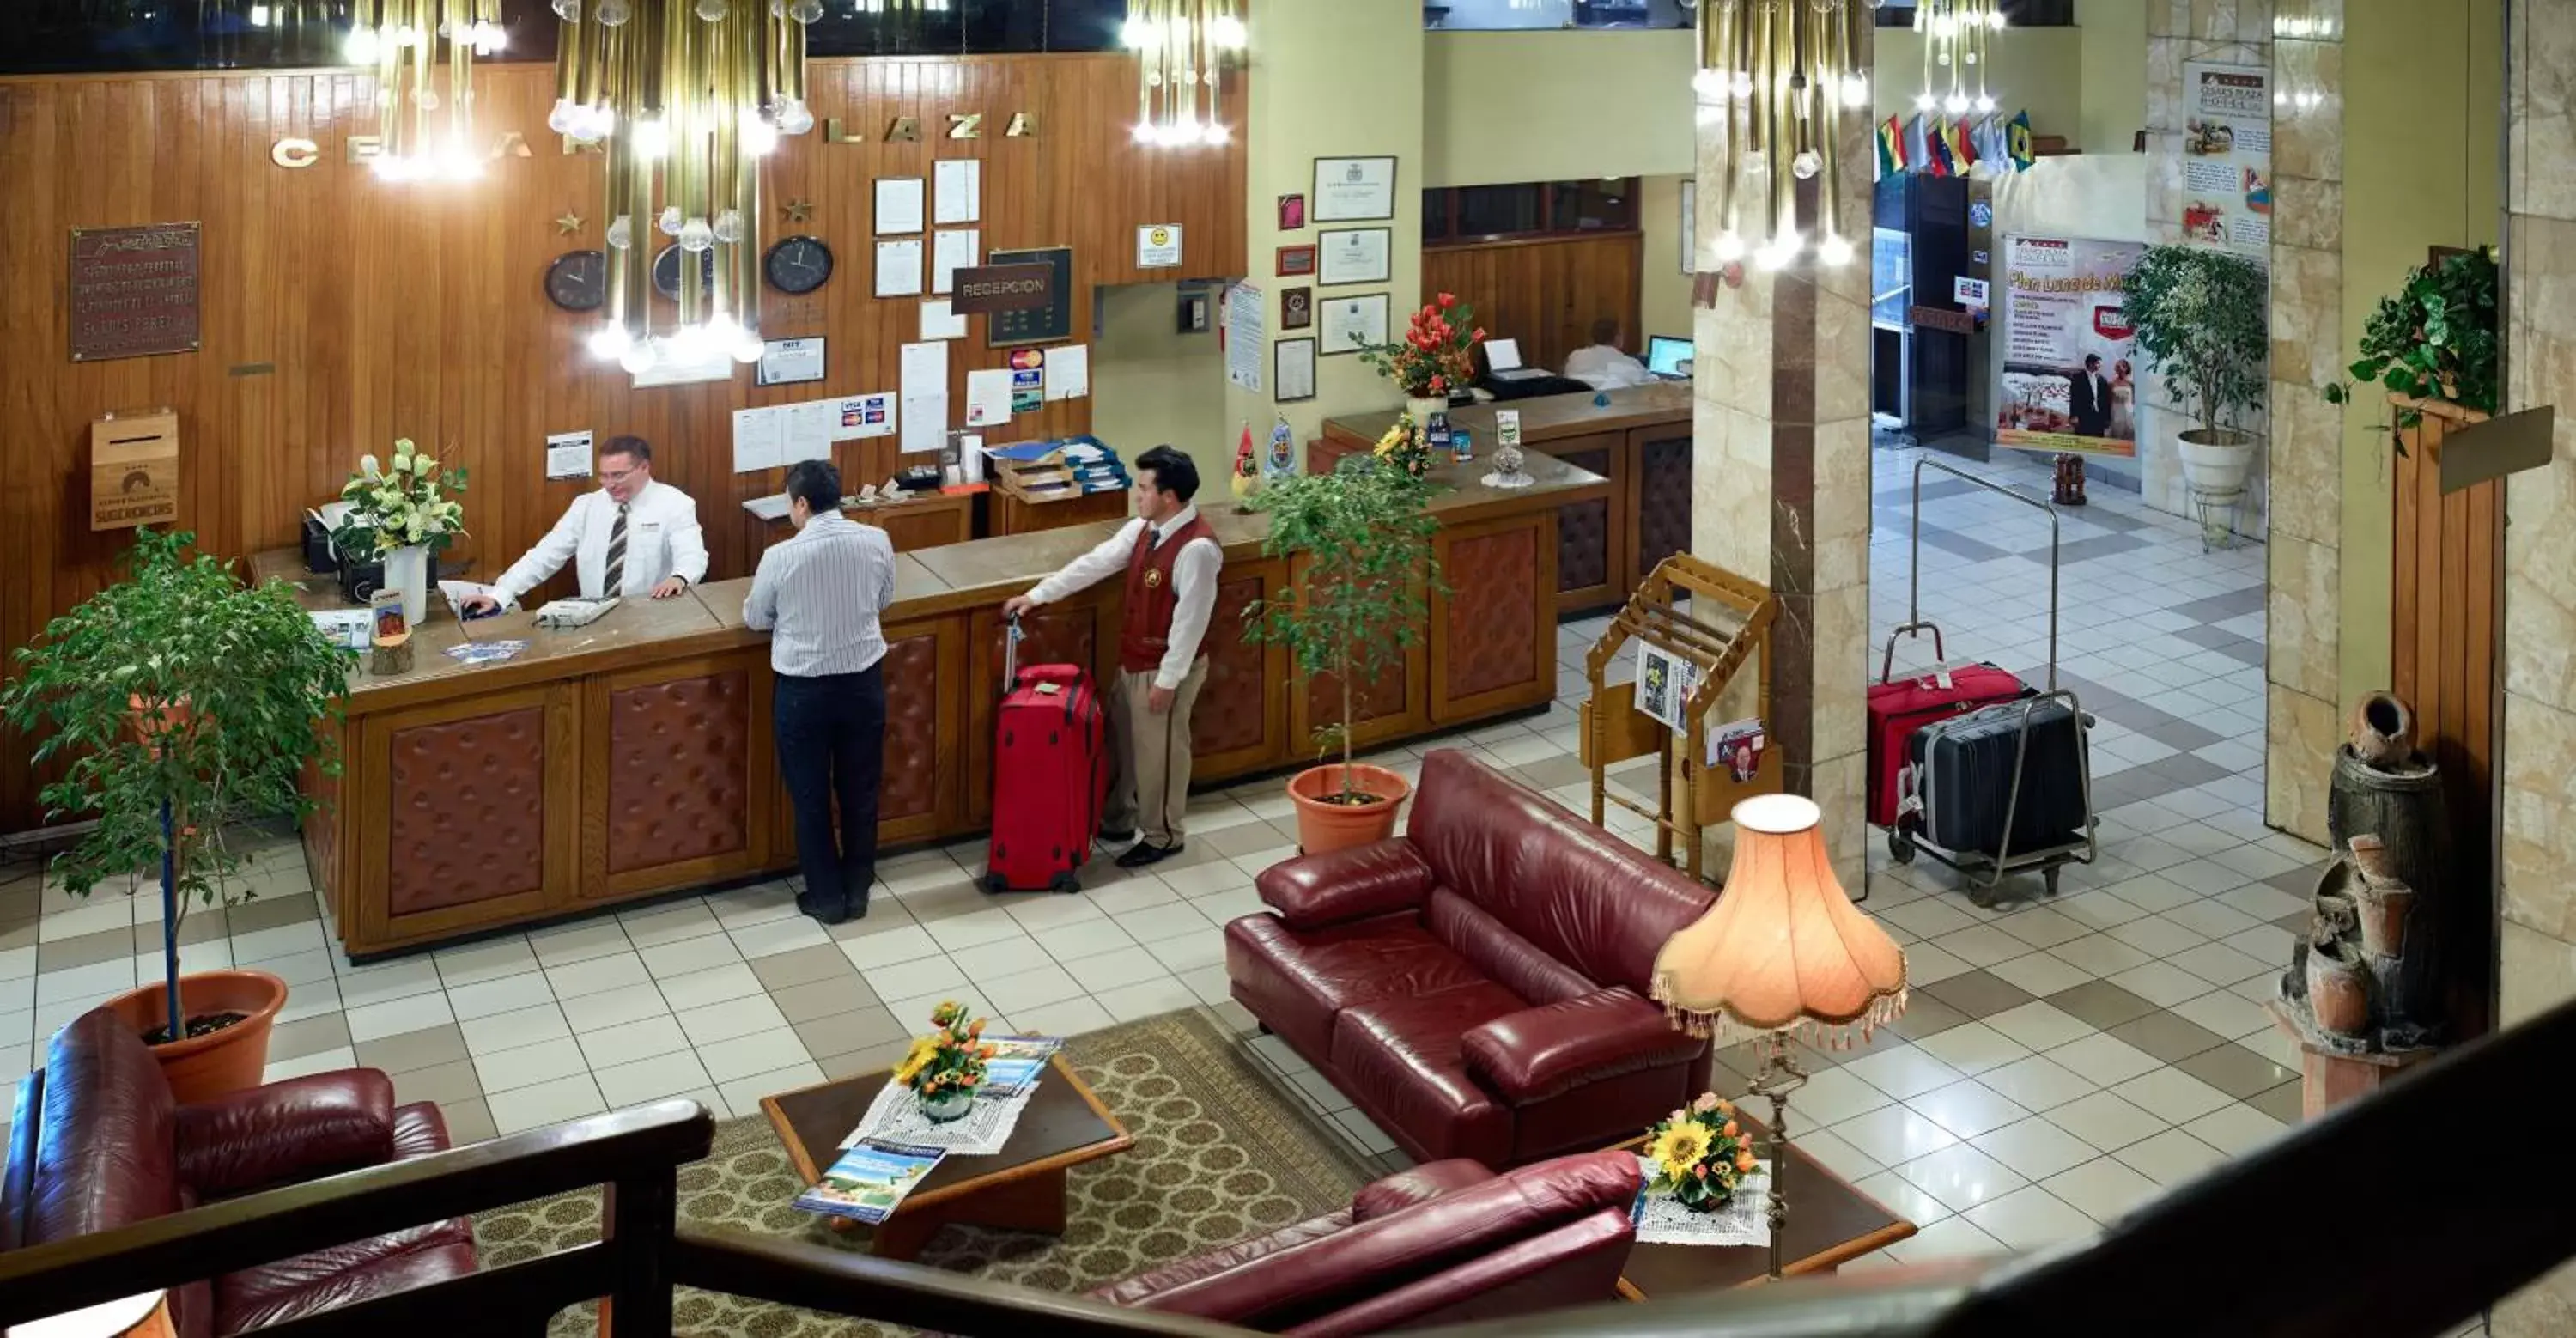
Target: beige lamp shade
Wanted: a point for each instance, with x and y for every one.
(1783, 948)
(144, 1316)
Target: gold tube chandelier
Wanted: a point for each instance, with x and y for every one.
(1955, 54)
(1777, 77)
(425, 123)
(689, 96)
(1183, 46)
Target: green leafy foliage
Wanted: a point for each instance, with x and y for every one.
(178, 685)
(407, 504)
(1370, 577)
(2435, 339)
(2203, 323)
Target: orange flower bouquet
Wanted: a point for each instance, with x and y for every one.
(1438, 352)
(1700, 1154)
(946, 1067)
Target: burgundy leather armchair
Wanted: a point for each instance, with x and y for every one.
(1443, 1243)
(99, 1144)
(1478, 986)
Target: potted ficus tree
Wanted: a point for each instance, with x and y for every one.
(2202, 323)
(1370, 573)
(180, 700)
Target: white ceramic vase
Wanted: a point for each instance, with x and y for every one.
(407, 570)
(1423, 406)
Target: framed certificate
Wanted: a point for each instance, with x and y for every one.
(1292, 370)
(1352, 190)
(1350, 322)
(1355, 255)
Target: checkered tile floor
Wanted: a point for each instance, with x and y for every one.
(2062, 1060)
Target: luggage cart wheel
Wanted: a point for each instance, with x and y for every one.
(1065, 882)
(1900, 846)
(2049, 880)
(1983, 894)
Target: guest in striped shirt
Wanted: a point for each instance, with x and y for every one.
(820, 596)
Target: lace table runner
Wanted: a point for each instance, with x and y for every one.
(895, 1117)
(1743, 1221)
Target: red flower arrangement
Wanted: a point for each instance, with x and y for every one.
(1437, 353)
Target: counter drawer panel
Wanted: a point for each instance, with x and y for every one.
(1663, 502)
(912, 742)
(679, 758)
(1233, 706)
(1492, 640)
(1583, 551)
(484, 775)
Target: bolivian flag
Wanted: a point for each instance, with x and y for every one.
(2019, 130)
(1962, 146)
(1891, 148)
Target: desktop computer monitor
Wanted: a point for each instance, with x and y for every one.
(1667, 355)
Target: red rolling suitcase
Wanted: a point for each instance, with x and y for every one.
(1050, 776)
(1900, 707)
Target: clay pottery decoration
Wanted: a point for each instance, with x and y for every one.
(2338, 991)
(2370, 859)
(2383, 731)
(1324, 825)
(217, 1063)
(2382, 909)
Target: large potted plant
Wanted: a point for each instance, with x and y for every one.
(2434, 341)
(1370, 573)
(1436, 356)
(405, 516)
(2202, 323)
(180, 700)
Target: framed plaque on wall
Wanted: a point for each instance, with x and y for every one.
(1353, 190)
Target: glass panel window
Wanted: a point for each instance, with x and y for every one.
(1495, 211)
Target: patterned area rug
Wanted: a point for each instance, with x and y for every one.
(1218, 1158)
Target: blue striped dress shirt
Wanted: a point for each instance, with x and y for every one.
(820, 596)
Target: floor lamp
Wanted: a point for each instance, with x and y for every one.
(1783, 955)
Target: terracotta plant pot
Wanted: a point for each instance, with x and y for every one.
(1323, 826)
(2382, 911)
(2383, 731)
(2338, 991)
(201, 1068)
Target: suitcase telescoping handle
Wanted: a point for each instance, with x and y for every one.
(1011, 654)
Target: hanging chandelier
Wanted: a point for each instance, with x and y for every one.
(425, 125)
(688, 96)
(1955, 37)
(1183, 46)
(1777, 77)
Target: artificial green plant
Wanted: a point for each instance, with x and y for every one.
(2435, 338)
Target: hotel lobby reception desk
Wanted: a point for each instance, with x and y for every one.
(633, 757)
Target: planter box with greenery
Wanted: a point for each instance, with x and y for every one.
(180, 700)
(2434, 340)
(1365, 600)
(2203, 323)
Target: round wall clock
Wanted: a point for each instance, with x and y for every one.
(666, 271)
(798, 265)
(578, 281)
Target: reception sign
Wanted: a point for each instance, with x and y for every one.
(2068, 370)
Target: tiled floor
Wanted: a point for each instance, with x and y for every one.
(2060, 1062)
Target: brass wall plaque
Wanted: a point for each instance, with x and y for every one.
(134, 291)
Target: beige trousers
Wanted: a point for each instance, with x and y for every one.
(1150, 794)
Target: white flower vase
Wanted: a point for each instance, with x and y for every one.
(407, 570)
(1423, 406)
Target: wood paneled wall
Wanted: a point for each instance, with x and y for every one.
(1545, 292)
(340, 312)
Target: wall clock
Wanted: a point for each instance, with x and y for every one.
(578, 281)
(666, 271)
(798, 265)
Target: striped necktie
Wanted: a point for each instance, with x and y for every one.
(616, 583)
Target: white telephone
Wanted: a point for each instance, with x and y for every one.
(563, 613)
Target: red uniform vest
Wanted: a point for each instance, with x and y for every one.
(1153, 596)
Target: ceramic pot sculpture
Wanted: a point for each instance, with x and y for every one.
(2383, 731)
(2338, 990)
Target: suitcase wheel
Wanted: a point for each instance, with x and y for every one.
(994, 882)
(1900, 845)
(1982, 895)
(1065, 882)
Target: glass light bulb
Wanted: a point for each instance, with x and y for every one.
(621, 234)
(1138, 33)
(1729, 248)
(652, 138)
(794, 117)
(1215, 132)
(568, 10)
(728, 227)
(1834, 250)
(609, 341)
(565, 116)
(1996, 20)
(1855, 91)
(1985, 103)
(696, 235)
(1144, 134)
(747, 347)
(1807, 164)
(805, 11)
(1781, 251)
(364, 46)
(1743, 86)
(1709, 83)
(689, 343)
(1957, 103)
(722, 329)
(1228, 33)
(1925, 102)
(759, 137)
(615, 13)
(638, 357)
(595, 125)
(713, 11)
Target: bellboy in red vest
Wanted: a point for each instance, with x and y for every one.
(1171, 559)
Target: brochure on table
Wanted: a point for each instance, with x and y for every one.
(870, 1181)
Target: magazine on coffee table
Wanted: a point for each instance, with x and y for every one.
(870, 1180)
(1017, 1064)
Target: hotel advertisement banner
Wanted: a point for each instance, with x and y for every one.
(2227, 159)
(2068, 378)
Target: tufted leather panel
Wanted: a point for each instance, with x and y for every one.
(910, 788)
(1663, 501)
(1055, 635)
(486, 775)
(1232, 711)
(1583, 531)
(1493, 638)
(679, 761)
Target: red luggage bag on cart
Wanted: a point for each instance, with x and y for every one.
(1050, 776)
(1902, 706)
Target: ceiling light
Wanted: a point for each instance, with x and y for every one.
(1183, 47)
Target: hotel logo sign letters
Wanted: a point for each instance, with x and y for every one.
(299, 151)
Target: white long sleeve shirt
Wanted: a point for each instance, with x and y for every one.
(822, 597)
(1605, 368)
(1194, 576)
(662, 539)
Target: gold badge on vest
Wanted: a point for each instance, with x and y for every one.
(1153, 578)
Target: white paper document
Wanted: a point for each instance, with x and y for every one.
(898, 206)
(810, 429)
(951, 252)
(925, 423)
(787, 361)
(759, 439)
(772, 507)
(1292, 371)
(1068, 372)
(899, 268)
(864, 416)
(958, 186)
(1158, 246)
(925, 372)
(1245, 335)
(988, 396)
(568, 455)
(939, 319)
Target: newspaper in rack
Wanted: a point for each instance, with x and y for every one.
(870, 1180)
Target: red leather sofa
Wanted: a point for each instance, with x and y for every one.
(1443, 1243)
(1478, 986)
(99, 1144)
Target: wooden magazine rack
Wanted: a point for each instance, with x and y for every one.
(1728, 620)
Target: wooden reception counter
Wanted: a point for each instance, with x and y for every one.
(632, 757)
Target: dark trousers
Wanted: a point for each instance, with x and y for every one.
(831, 743)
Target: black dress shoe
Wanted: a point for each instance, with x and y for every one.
(1118, 838)
(828, 913)
(1147, 853)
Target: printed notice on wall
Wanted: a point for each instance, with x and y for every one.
(2227, 158)
(568, 455)
(1245, 338)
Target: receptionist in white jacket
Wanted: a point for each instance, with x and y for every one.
(633, 538)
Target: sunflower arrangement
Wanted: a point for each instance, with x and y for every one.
(1405, 446)
(1700, 1154)
(949, 1061)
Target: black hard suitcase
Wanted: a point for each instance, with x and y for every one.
(1958, 779)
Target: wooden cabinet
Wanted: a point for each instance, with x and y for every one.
(1592, 537)
(1493, 635)
(678, 779)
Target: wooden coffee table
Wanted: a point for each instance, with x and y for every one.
(1020, 1188)
(1830, 1224)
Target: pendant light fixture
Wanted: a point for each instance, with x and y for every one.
(1955, 54)
(688, 96)
(425, 124)
(1183, 47)
(1778, 77)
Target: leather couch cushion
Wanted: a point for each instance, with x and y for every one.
(1575, 1264)
(1296, 981)
(1382, 878)
(1511, 961)
(314, 1282)
(1138, 1290)
(419, 1130)
(106, 1157)
(1422, 1184)
(286, 1132)
(1400, 1060)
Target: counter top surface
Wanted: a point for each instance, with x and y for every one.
(1546, 417)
